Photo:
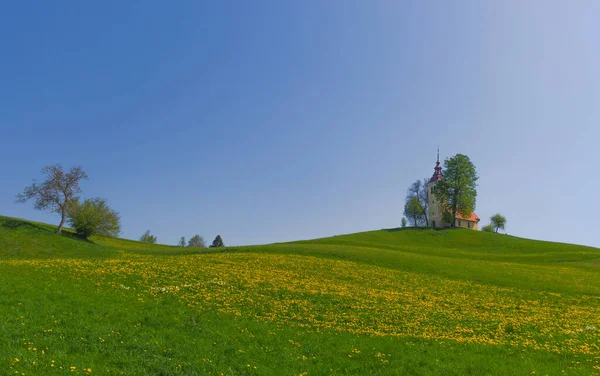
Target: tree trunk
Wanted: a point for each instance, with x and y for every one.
(62, 223)
(454, 210)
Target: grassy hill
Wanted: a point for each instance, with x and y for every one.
(391, 302)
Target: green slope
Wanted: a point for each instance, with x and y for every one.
(390, 302)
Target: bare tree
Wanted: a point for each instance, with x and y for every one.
(57, 192)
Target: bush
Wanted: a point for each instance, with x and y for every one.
(487, 228)
(94, 217)
(148, 238)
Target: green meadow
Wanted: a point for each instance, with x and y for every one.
(389, 302)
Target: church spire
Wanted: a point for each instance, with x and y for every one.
(437, 175)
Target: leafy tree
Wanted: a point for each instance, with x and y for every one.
(498, 221)
(148, 238)
(419, 190)
(218, 242)
(413, 210)
(403, 222)
(57, 192)
(93, 217)
(447, 217)
(458, 190)
(487, 228)
(181, 242)
(196, 241)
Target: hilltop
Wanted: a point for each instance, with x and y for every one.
(397, 301)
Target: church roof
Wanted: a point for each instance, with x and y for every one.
(437, 174)
(473, 217)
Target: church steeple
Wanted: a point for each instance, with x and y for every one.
(437, 175)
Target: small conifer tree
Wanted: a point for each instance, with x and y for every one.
(218, 242)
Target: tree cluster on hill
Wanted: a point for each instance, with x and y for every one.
(497, 222)
(456, 192)
(458, 189)
(416, 203)
(58, 193)
(195, 241)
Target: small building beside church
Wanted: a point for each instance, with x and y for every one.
(435, 211)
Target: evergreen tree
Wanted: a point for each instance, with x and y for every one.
(218, 242)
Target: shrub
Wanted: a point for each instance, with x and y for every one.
(487, 228)
(94, 217)
(148, 238)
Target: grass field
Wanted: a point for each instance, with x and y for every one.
(391, 302)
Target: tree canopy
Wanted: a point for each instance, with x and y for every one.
(93, 217)
(57, 192)
(458, 190)
(497, 221)
(418, 189)
(413, 210)
(196, 241)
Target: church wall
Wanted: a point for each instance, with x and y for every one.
(465, 224)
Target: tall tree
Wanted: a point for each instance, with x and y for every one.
(147, 237)
(196, 241)
(403, 222)
(94, 217)
(414, 211)
(419, 190)
(497, 221)
(57, 192)
(218, 242)
(181, 242)
(458, 190)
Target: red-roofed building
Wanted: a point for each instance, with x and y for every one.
(435, 210)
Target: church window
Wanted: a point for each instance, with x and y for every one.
(459, 224)
(469, 224)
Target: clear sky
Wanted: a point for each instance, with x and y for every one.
(271, 121)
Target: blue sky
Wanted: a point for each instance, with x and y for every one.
(272, 121)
